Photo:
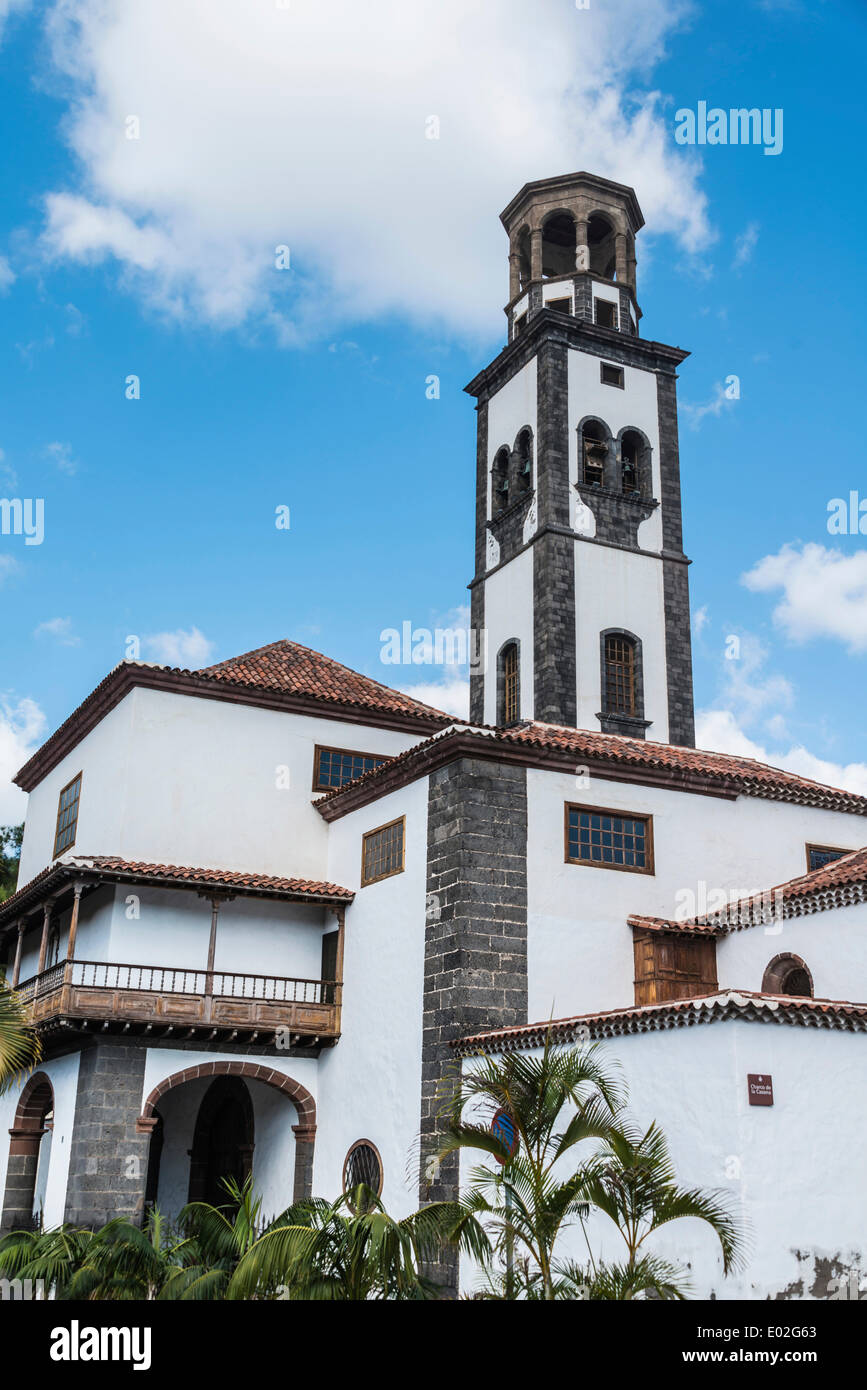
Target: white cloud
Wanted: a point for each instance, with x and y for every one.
(824, 592)
(9, 7)
(745, 244)
(22, 726)
(262, 126)
(714, 406)
(7, 275)
(700, 620)
(8, 566)
(451, 696)
(61, 629)
(61, 455)
(189, 650)
(8, 476)
(746, 685)
(718, 730)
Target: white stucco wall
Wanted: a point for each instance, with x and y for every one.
(370, 1083)
(789, 1170)
(509, 616)
(635, 405)
(580, 956)
(830, 943)
(616, 588)
(62, 1072)
(175, 779)
(509, 410)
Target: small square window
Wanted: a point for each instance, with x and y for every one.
(520, 325)
(67, 816)
(382, 852)
(820, 855)
(609, 839)
(563, 306)
(611, 375)
(334, 767)
(605, 313)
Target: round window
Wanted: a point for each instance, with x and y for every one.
(363, 1166)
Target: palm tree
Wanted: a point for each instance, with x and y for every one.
(125, 1261)
(349, 1250)
(50, 1257)
(552, 1104)
(636, 1186)
(19, 1046)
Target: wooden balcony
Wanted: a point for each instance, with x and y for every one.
(167, 1002)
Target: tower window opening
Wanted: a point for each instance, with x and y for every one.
(610, 375)
(510, 685)
(634, 473)
(595, 452)
(524, 264)
(619, 675)
(500, 482)
(562, 306)
(600, 237)
(558, 245)
(524, 451)
(605, 313)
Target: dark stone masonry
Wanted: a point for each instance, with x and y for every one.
(108, 1159)
(475, 936)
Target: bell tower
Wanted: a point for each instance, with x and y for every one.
(580, 581)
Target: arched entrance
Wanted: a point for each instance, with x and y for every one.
(29, 1142)
(223, 1140)
(305, 1107)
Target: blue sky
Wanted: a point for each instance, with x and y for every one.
(306, 387)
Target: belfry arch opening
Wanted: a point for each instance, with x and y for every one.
(558, 245)
(600, 241)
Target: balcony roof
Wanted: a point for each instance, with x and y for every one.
(109, 869)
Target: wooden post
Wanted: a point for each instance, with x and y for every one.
(43, 945)
(340, 913)
(73, 932)
(16, 969)
(212, 951)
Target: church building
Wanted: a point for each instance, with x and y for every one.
(266, 906)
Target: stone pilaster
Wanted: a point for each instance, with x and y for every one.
(108, 1157)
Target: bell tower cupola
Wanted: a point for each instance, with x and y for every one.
(580, 581)
(572, 243)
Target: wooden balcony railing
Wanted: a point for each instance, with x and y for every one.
(168, 998)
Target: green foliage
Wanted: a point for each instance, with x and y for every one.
(19, 1047)
(10, 854)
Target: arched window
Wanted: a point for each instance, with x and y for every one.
(558, 245)
(600, 236)
(524, 256)
(788, 974)
(634, 464)
(500, 482)
(524, 462)
(509, 684)
(619, 683)
(594, 453)
(362, 1167)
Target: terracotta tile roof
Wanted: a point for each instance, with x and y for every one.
(281, 676)
(679, 1013)
(538, 744)
(837, 884)
(298, 670)
(108, 867)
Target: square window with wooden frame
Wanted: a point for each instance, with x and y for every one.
(606, 839)
(382, 852)
(67, 816)
(820, 855)
(610, 375)
(334, 767)
(605, 313)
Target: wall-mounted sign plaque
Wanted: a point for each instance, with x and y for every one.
(761, 1089)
